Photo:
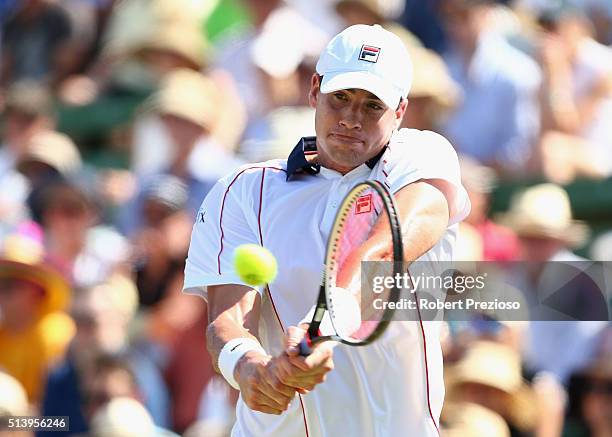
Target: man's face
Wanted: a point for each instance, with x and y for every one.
(352, 126)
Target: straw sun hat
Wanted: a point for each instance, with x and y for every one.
(465, 419)
(498, 366)
(544, 211)
(189, 95)
(22, 258)
(432, 78)
(55, 150)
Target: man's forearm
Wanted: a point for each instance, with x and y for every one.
(233, 312)
(424, 214)
(219, 332)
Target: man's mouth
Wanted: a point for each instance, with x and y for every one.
(346, 138)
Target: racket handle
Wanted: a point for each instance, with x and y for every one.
(305, 346)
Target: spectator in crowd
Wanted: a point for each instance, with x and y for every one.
(576, 98)
(145, 40)
(159, 246)
(433, 95)
(489, 375)
(468, 419)
(85, 253)
(100, 327)
(285, 70)
(109, 376)
(125, 417)
(34, 329)
(174, 326)
(542, 218)
(186, 105)
(497, 121)
(170, 38)
(49, 155)
(239, 56)
(88, 22)
(198, 394)
(499, 242)
(102, 314)
(27, 112)
(33, 41)
(590, 409)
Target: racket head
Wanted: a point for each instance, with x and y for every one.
(368, 207)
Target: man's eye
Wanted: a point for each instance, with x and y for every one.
(340, 96)
(375, 106)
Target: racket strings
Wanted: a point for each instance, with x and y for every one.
(351, 312)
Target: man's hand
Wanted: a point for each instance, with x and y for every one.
(306, 372)
(269, 384)
(261, 386)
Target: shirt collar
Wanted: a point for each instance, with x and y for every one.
(301, 159)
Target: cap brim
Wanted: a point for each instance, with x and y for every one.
(345, 80)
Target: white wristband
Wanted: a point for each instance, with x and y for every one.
(232, 352)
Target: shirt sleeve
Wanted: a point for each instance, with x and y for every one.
(418, 155)
(222, 224)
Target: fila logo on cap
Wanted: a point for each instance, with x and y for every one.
(369, 53)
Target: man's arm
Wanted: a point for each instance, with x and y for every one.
(424, 215)
(423, 212)
(233, 312)
(267, 384)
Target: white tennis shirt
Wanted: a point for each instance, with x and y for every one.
(393, 387)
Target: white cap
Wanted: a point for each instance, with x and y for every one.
(369, 58)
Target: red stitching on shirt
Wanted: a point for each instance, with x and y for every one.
(223, 205)
(426, 365)
(263, 176)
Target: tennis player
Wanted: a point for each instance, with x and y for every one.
(393, 387)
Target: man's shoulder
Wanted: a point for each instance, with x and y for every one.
(406, 142)
(407, 135)
(422, 152)
(252, 174)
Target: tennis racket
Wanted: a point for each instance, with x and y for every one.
(366, 227)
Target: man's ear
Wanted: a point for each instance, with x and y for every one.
(315, 88)
(400, 111)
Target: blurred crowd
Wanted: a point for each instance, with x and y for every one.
(117, 117)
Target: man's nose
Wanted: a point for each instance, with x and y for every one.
(350, 119)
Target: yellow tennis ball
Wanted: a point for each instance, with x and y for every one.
(255, 264)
